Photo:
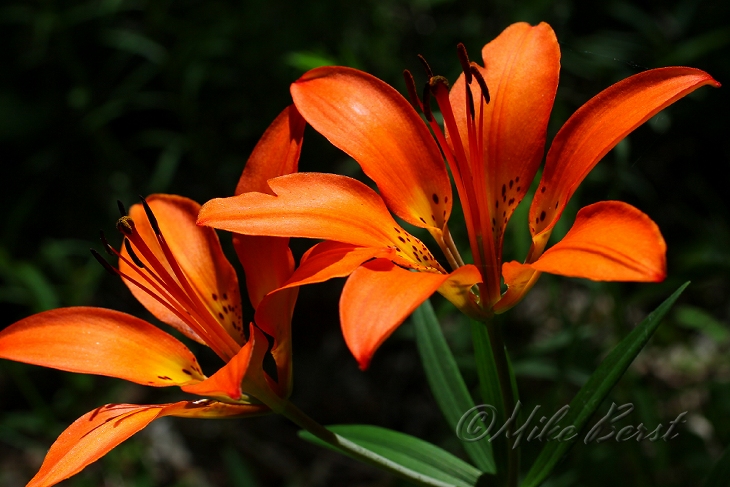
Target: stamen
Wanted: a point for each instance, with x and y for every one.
(411, 87)
(130, 251)
(106, 265)
(470, 102)
(482, 83)
(107, 248)
(436, 82)
(122, 210)
(151, 217)
(464, 60)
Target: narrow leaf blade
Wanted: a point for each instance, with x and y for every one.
(406, 450)
(446, 382)
(597, 388)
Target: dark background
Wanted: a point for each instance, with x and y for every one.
(106, 99)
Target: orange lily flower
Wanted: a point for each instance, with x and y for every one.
(177, 270)
(495, 120)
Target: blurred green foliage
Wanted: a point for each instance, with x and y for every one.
(106, 99)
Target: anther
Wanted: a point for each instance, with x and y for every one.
(122, 210)
(411, 87)
(106, 265)
(130, 251)
(125, 225)
(482, 84)
(436, 82)
(464, 60)
(429, 72)
(108, 248)
(151, 216)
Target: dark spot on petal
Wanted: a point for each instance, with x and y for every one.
(435, 198)
(396, 229)
(421, 218)
(511, 201)
(215, 297)
(419, 259)
(504, 189)
(446, 199)
(163, 377)
(511, 182)
(186, 371)
(556, 205)
(542, 190)
(517, 179)
(496, 205)
(542, 216)
(401, 239)
(220, 315)
(519, 188)
(225, 297)
(415, 249)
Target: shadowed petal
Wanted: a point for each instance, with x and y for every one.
(519, 279)
(595, 128)
(199, 254)
(275, 154)
(609, 241)
(379, 296)
(243, 374)
(94, 434)
(377, 127)
(103, 342)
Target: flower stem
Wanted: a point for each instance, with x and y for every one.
(298, 417)
(508, 396)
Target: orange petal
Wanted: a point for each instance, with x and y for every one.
(94, 434)
(314, 205)
(276, 154)
(244, 374)
(199, 254)
(379, 296)
(519, 279)
(596, 128)
(377, 127)
(609, 241)
(522, 68)
(274, 315)
(100, 341)
(457, 289)
(267, 262)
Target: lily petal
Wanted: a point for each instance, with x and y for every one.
(522, 67)
(244, 372)
(322, 206)
(329, 259)
(609, 241)
(379, 296)
(199, 254)
(595, 128)
(103, 342)
(94, 434)
(275, 154)
(519, 279)
(376, 126)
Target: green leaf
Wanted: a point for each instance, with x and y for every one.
(597, 388)
(720, 472)
(446, 382)
(406, 450)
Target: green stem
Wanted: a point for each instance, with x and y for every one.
(298, 417)
(496, 342)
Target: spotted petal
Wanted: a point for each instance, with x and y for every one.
(94, 434)
(595, 128)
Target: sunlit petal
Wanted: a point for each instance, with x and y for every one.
(609, 241)
(314, 205)
(103, 342)
(522, 67)
(199, 253)
(376, 126)
(595, 128)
